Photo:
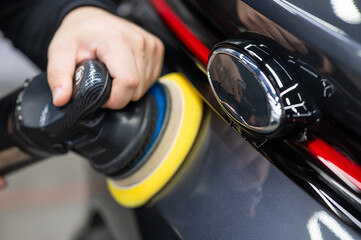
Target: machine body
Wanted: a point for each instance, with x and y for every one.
(130, 146)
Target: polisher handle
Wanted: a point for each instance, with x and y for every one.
(41, 129)
(112, 141)
(91, 89)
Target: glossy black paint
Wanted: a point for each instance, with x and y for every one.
(309, 29)
(204, 183)
(326, 83)
(226, 190)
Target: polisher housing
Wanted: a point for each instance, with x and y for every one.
(138, 148)
(165, 156)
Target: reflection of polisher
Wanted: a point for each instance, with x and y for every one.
(138, 148)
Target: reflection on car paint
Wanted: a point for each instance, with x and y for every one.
(347, 11)
(321, 217)
(322, 66)
(294, 9)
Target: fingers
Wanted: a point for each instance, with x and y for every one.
(60, 70)
(157, 51)
(133, 56)
(149, 60)
(122, 67)
(2, 183)
(134, 64)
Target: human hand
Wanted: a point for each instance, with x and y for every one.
(133, 56)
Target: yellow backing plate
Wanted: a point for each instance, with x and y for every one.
(139, 193)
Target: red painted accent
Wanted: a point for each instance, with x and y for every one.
(336, 161)
(180, 29)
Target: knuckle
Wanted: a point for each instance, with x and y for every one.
(121, 36)
(137, 96)
(141, 40)
(103, 49)
(160, 46)
(153, 46)
(117, 105)
(116, 102)
(132, 81)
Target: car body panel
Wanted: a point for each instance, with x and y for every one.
(235, 188)
(313, 31)
(227, 190)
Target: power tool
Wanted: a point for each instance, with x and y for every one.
(138, 148)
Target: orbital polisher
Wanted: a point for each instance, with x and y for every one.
(138, 148)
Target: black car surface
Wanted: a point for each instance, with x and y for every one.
(278, 152)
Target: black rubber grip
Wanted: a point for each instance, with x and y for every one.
(114, 141)
(37, 129)
(91, 90)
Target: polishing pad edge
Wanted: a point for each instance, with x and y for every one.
(139, 194)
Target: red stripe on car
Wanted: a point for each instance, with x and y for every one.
(180, 29)
(336, 161)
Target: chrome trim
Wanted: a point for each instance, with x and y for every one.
(276, 111)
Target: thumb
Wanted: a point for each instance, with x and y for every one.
(60, 71)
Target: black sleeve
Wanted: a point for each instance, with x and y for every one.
(31, 24)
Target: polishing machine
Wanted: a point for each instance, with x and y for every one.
(138, 148)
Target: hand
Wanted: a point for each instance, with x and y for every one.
(2, 183)
(133, 56)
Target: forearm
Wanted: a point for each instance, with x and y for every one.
(31, 24)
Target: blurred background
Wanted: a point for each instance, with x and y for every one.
(46, 200)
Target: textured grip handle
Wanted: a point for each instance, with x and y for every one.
(38, 129)
(91, 90)
(113, 141)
